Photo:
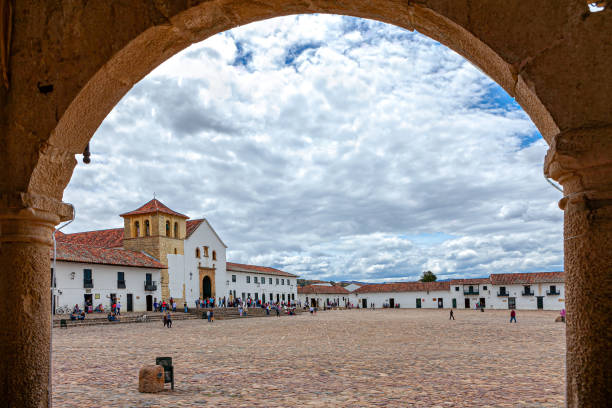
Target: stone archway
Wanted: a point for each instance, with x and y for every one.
(207, 282)
(69, 63)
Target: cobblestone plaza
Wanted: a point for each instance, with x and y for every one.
(351, 358)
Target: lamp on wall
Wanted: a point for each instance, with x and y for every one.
(190, 275)
(72, 274)
(227, 282)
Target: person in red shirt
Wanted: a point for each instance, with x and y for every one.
(512, 316)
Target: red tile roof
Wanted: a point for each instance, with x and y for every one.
(532, 277)
(476, 281)
(192, 225)
(236, 267)
(154, 206)
(403, 287)
(71, 252)
(322, 289)
(109, 238)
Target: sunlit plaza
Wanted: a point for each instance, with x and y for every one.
(334, 358)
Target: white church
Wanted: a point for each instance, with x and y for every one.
(159, 254)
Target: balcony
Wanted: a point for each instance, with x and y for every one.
(150, 285)
(527, 293)
(88, 283)
(120, 284)
(549, 293)
(470, 292)
(503, 294)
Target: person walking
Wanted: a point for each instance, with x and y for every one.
(563, 315)
(174, 305)
(452, 315)
(118, 308)
(513, 316)
(165, 319)
(208, 315)
(169, 320)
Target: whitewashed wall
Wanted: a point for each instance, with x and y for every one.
(183, 269)
(324, 297)
(70, 291)
(405, 299)
(551, 302)
(289, 288)
(460, 296)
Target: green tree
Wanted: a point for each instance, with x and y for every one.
(428, 276)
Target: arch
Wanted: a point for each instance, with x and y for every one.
(206, 287)
(147, 228)
(136, 229)
(176, 230)
(167, 228)
(542, 53)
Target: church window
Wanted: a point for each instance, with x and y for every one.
(176, 230)
(233, 278)
(197, 252)
(214, 255)
(136, 229)
(175, 251)
(248, 279)
(277, 281)
(263, 280)
(206, 251)
(167, 228)
(147, 228)
(282, 281)
(255, 279)
(270, 281)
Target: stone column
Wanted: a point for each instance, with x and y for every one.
(26, 225)
(581, 160)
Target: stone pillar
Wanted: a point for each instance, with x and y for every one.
(581, 160)
(26, 227)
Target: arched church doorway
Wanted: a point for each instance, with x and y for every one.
(206, 287)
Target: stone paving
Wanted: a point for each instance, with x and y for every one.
(356, 358)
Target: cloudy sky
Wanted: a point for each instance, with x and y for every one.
(335, 148)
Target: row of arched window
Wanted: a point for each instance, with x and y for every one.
(147, 229)
(197, 253)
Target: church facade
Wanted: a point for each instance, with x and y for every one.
(158, 254)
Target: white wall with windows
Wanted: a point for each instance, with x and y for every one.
(340, 299)
(260, 286)
(204, 249)
(75, 280)
(550, 296)
(411, 300)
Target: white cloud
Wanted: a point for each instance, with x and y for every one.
(332, 147)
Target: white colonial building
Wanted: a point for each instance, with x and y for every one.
(89, 275)
(169, 255)
(426, 295)
(323, 294)
(539, 290)
(259, 283)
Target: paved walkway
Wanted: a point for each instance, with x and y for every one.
(337, 358)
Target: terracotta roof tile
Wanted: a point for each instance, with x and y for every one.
(154, 206)
(403, 287)
(321, 289)
(475, 281)
(71, 252)
(192, 225)
(236, 267)
(109, 238)
(532, 277)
